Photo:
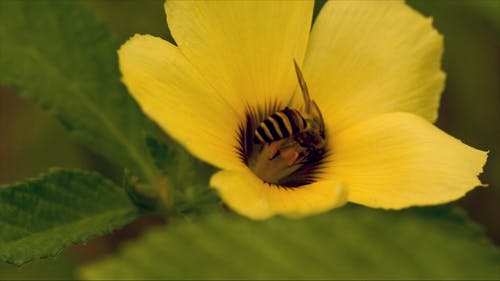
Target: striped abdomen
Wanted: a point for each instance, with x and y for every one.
(280, 125)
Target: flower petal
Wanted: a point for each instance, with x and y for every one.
(245, 49)
(397, 160)
(371, 57)
(248, 195)
(172, 93)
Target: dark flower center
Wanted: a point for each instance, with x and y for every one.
(281, 155)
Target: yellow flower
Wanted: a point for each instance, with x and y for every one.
(373, 68)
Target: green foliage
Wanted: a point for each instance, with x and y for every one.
(349, 243)
(60, 268)
(70, 69)
(130, 17)
(42, 216)
(488, 9)
(57, 55)
(188, 175)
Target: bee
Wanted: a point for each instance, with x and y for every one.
(296, 136)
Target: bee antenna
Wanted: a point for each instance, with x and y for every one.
(303, 87)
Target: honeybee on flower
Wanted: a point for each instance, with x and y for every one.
(297, 139)
(229, 92)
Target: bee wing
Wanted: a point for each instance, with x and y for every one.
(303, 88)
(317, 113)
(310, 110)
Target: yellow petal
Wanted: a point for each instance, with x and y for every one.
(172, 93)
(397, 160)
(246, 194)
(371, 57)
(245, 49)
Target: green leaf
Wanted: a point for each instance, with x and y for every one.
(189, 175)
(42, 216)
(349, 243)
(58, 55)
(60, 268)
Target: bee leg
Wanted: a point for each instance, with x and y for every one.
(274, 148)
(301, 158)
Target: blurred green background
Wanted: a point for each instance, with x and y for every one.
(470, 111)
